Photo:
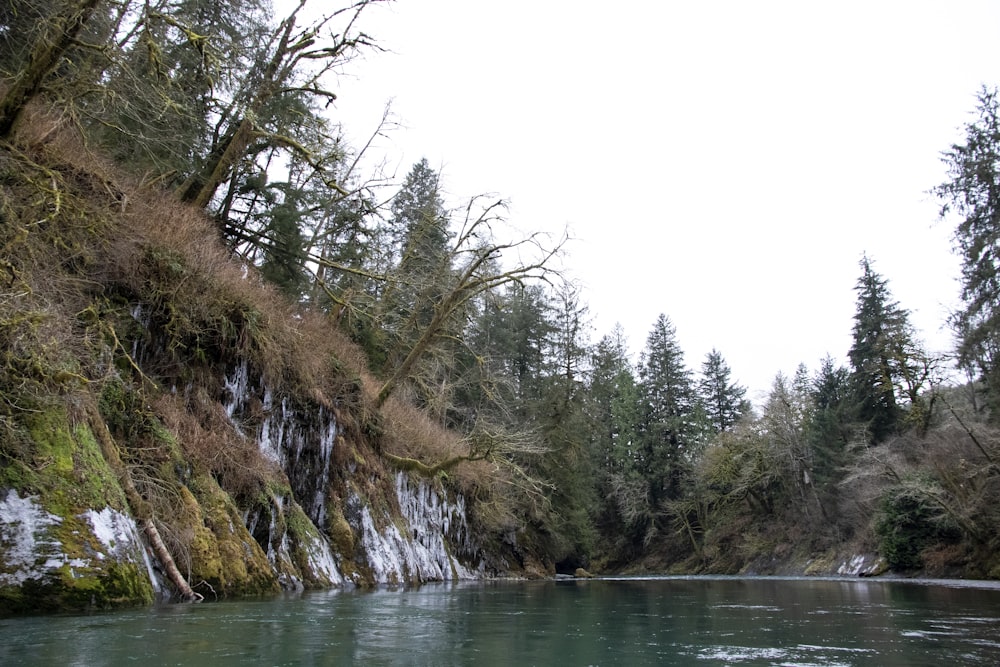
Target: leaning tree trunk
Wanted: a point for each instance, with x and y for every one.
(60, 34)
(140, 508)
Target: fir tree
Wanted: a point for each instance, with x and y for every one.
(614, 402)
(723, 400)
(882, 345)
(972, 191)
(667, 395)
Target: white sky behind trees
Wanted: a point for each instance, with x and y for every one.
(725, 163)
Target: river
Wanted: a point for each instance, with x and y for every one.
(617, 621)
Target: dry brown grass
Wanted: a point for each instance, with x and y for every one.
(211, 443)
(48, 229)
(211, 305)
(411, 433)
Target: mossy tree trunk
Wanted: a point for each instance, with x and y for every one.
(45, 55)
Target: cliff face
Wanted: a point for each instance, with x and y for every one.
(168, 421)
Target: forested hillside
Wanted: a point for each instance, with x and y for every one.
(187, 235)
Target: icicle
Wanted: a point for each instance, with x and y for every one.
(237, 387)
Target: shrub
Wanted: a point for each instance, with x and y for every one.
(910, 522)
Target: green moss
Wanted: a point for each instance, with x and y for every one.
(297, 523)
(341, 534)
(66, 467)
(101, 482)
(69, 475)
(86, 579)
(222, 551)
(15, 474)
(98, 582)
(117, 585)
(50, 432)
(125, 413)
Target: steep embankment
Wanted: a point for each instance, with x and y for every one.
(170, 427)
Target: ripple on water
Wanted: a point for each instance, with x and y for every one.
(754, 607)
(802, 655)
(741, 653)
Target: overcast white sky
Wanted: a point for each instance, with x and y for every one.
(724, 163)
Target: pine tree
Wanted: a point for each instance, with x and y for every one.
(45, 51)
(174, 70)
(784, 421)
(22, 22)
(282, 245)
(418, 222)
(513, 336)
(614, 409)
(563, 422)
(832, 422)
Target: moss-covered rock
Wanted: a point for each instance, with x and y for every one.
(66, 540)
(65, 467)
(222, 552)
(92, 560)
(310, 551)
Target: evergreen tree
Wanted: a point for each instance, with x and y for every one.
(972, 191)
(282, 244)
(513, 337)
(667, 395)
(418, 221)
(179, 66)
(419, 235)
(723, 400)
(22, 23)
(614, 408)
(45, 50)
(832, 422)
(882, 346)
(569, 345)
(344, 244)
(614, 402)
(784, 421)
(421, 263)
(563, 422)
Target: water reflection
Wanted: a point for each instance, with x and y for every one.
(665, 621)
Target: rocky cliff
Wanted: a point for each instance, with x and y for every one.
(171, 428)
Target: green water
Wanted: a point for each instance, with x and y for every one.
(661, 621)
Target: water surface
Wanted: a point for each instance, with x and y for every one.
(647, 621)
